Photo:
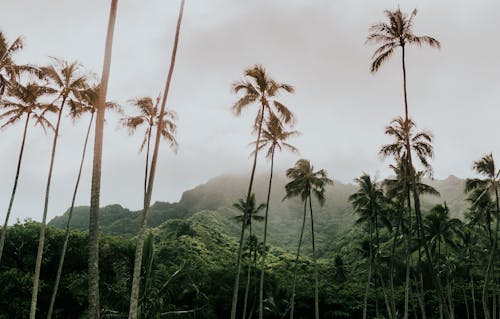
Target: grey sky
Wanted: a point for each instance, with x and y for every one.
(318, 46)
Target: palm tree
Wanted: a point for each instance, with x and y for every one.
(260, 89)
(304, 183)
(397, 191)
(439, 231)
(273, 138)
(9, 70)
(87, 104)
(136, 278)
(397, 33)
(369, 203)
(488, 185)
(408, 143)
(249, 212)
(148, 116)
(93, 265)
(68, 81)
(24, 101)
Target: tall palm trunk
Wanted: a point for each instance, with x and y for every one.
(264, 252)
(70, 214)
(236, 286)
(147, 161)
(316, 281)
(379, 273)
(41, 242)
(296, 266)
(368, 281)
(473, 294)
(416, 199)
(249, 274)
(391, 266)
(93, 265)
(466, 303)
(136, 279)
(14, 188)
(491, 262)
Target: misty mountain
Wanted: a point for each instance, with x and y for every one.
(212, 202)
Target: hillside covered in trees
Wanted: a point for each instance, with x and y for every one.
(266, 243)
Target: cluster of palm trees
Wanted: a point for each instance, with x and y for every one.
(388, 209)
(271, 125)
(433, 239)
(31, 94)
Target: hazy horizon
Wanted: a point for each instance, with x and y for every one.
(318, 47)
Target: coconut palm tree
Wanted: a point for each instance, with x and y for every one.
(250, 211)
(136, 277)
(148, 116)
(397, 191)
(440, 231)
(86, 105)
(306, 182)
(93, 266)
(369, 204)
(258, 89)
(67, 80)
(398, 32)
(22, 100)
(408, 143)
(488, 185)
(273, 138)
(9, 70)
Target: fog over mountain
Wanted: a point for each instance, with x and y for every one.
(318, 46)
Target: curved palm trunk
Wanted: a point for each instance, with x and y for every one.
(14, 188)
(93, 265)
(416, 199)
(41, 242)
(295, 268)
(66, 237)
(316, 282)
(466, 303)
(236, 286)
(264, 252)
(136, 279)
(367, 289)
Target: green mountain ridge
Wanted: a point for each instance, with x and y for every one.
(216, 197)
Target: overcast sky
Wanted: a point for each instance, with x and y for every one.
(317, 46)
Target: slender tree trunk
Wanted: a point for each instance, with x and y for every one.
(14, 188)
(491, 261)
(68, 224)
(147, 161)
(41, 242)
(295, 268)
(368, 281)
(316, 281)
(407, 248)
(264, 252)
(93, 265)
(386, 298)
(249, 274)
(466, 303)
(436, 281)
(473, 295)
(407, 277)
(236, 286)
(136, 279)
(391, 267)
